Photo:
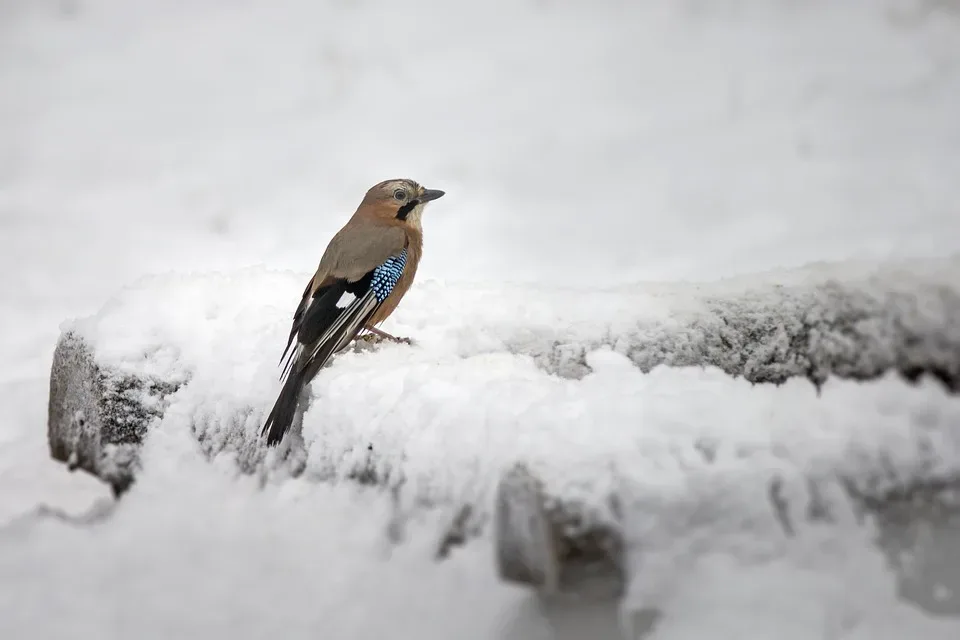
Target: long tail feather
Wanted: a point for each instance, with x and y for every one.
(284, 409)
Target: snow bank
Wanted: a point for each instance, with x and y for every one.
(488, 356)
(565, 382)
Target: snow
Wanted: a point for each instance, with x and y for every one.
(443, 417)
(641, 148)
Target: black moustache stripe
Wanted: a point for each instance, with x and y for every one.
(405, 210)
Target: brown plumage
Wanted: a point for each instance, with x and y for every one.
(358, 268)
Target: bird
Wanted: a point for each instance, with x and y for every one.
(366, 269)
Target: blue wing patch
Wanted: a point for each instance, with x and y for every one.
(386, 276)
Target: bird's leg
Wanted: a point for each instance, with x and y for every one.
(376, 335)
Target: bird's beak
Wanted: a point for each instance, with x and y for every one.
(430, 194)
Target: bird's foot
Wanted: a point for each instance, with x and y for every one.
(376, 336)
(373, 338)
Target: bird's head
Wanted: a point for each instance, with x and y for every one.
(400, 199)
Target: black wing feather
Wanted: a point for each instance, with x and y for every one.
(322, 312)
(305, 300)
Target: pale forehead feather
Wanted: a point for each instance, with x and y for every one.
(387, 187)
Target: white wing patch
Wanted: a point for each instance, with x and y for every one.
(346, 299)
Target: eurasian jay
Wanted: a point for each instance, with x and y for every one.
(365, 271)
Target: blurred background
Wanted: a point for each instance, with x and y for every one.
(589, 143)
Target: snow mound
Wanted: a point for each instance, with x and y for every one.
(681, 462)
(567, 380)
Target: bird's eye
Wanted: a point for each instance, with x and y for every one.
(400, 195)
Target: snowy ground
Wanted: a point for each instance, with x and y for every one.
(578, 145)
